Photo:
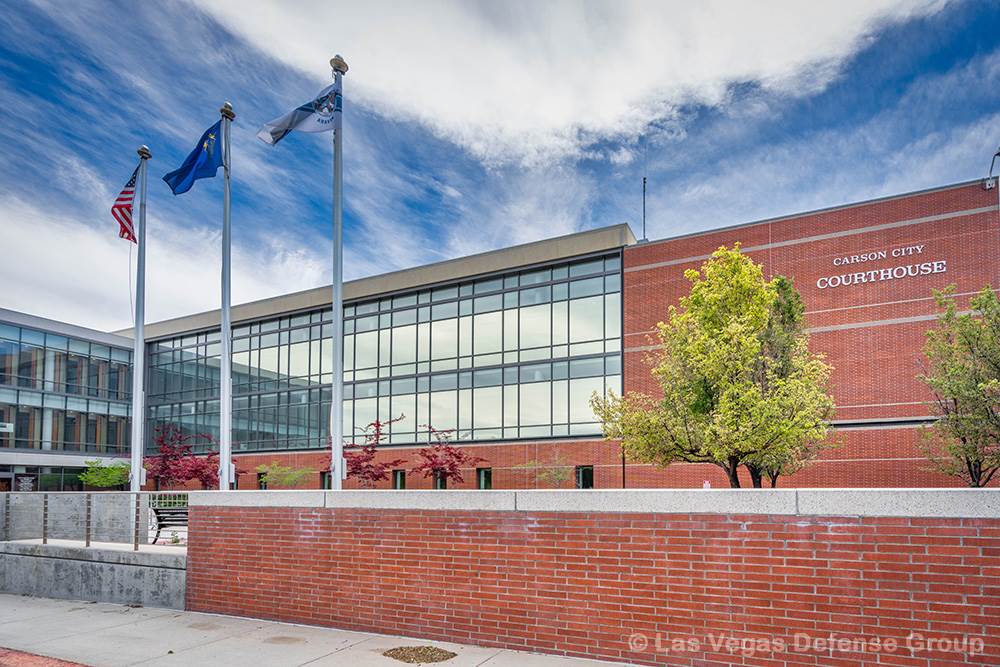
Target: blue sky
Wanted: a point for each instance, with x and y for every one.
(468, 126)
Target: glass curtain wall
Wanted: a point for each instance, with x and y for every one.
(60, 393)
(513, 356)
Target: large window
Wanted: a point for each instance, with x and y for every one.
(60, 393)
(515, 356)
(503, 357)
(32, 359)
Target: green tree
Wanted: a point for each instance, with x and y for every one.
(101, 476)
(740, 387)
(275, 475)
(964, 374)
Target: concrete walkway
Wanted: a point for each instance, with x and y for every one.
(108, 635)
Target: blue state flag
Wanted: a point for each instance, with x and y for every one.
(203, 161)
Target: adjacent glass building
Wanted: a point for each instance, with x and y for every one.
(64, 397)
(510, 355)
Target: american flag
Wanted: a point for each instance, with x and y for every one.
(122, 209)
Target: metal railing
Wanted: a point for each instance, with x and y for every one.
(121, 517)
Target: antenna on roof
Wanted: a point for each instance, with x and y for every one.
(989, 183)
(644, 208)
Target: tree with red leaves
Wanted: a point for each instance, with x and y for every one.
(177, 463)
(442, 460)
(362, 465)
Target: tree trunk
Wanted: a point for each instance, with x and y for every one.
(756, 476)
(773, 476)
(732, 469)
(975, 473)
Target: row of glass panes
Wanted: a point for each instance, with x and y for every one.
(545, 408)
(274, 332)
(200, 380)
(58, 402)
(242, 331)
(401, 319)
(583, 320)
(512, 281)
(540, 408)
(489, 377)
(50, 369)
(46, 421)
(486, 377)
(63, 343)
(488, 334)
(486, 304)
(292, 365)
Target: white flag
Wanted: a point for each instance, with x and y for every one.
(313, 116)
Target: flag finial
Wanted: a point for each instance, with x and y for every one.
(338, 64)
(143, 152)
(227, 111)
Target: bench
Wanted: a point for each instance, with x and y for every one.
(169, 517)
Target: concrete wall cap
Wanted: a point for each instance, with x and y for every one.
(498, 501)
(668, 501)
(290, 498)
(958, 503)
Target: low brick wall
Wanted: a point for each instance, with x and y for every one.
(897, 577)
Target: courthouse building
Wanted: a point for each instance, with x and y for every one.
(506, 347)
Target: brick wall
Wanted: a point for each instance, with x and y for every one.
(589, 583)
(872, 334)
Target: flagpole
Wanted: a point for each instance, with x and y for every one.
(337, 471)
(226, 330)
(139, 335)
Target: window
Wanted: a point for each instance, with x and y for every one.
(325, 481)
(399, 479)
(507, 356)
(440, 481)
(585, 477)
(484, 478)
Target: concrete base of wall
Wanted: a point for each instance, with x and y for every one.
(104, 572)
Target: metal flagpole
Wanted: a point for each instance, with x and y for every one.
(337, 469)
(225, 371)
(139, 334)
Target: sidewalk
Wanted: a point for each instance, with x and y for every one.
(107, 635)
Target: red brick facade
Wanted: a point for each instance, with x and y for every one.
(871, 333)
(678, 589)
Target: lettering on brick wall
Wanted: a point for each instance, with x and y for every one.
(897, 272)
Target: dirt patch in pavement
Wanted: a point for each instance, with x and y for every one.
(419, 655)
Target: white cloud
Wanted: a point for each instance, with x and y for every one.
(63, 268)
(532, 82)
(922, 139)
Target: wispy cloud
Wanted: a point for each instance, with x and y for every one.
(536, 82)
(84, 277)
(468, 126)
